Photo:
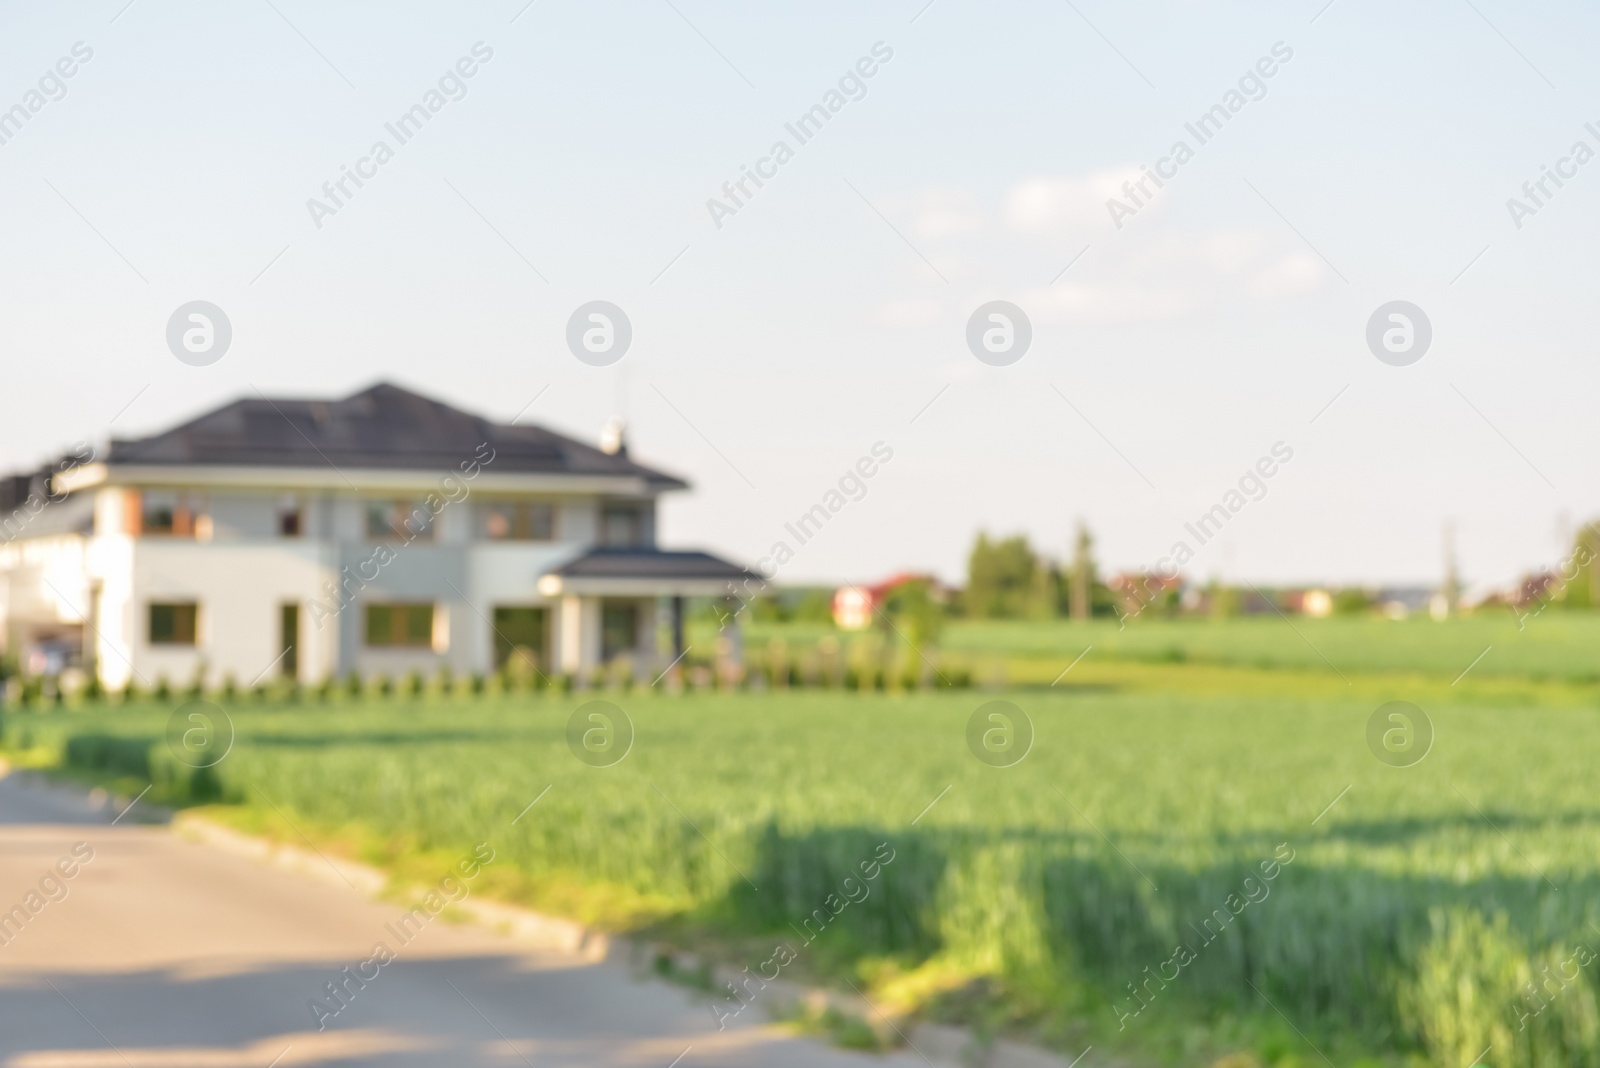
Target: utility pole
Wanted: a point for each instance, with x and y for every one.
(1082, 576)
(1450, 591)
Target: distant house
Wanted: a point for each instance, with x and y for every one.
(854, 606)
(1316, 603)
(1137, 590)
(382, 532)
(1398, 602)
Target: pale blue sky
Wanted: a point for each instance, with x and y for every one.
(808, 327)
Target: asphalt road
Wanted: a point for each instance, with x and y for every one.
(158, 952)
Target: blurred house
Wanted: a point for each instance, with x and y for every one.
(1138, 590)
(379, 533)
(1537, 588)
(854, 606)
(1399, 602)
(1396, 602)
(1314, 601)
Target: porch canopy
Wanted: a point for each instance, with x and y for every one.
(646, 572)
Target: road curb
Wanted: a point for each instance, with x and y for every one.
(941, 1045)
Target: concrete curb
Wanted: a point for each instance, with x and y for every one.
(318, 866)
(942, 1045)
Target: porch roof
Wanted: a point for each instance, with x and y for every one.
(646, 572)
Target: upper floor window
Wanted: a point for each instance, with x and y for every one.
(291, 522)
(167, 512)
(621, 525)
(174, 624)
(520, 521)
(399, 520)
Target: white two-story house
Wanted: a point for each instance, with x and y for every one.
(380, 533)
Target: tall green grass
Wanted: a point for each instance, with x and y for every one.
(1555, 645)
(1411, 921)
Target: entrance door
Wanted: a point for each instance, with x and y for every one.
(289, 640)
(519, 632)
(619, 628)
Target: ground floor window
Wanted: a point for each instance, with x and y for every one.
(174, 623)
(401, 625)
(289, 640)
(519, 633)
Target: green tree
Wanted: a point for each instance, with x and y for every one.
(915, 612)
(1000, 577)
(1578, 576)
(814, 605)
(1351, 601)
(1225, 600)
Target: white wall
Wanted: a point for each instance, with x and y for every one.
(240, 587)
(245, 571)
(109, 561)
(46, 579)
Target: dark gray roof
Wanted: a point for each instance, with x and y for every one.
(383, 426)
(69, 514)
(644, 563)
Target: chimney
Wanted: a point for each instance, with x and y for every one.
(613, 437)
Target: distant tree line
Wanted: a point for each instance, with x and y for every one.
(1008, 579)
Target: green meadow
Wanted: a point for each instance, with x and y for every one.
(1199, 858)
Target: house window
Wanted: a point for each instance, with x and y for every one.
(519, 634)
(520, 521)
(173, 624)
(621, 525)
(290, 522)
(289, 640)
(390, 520)
(168, 513)
(407, 626)
(157, 518)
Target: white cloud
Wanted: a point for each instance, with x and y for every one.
(1162, 276)
(1297, 272)
(1055, 204)
(1147, 275)
(948, 213)
(938, 213)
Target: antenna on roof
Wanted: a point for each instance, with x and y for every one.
(614, 435)
(1446, 602)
